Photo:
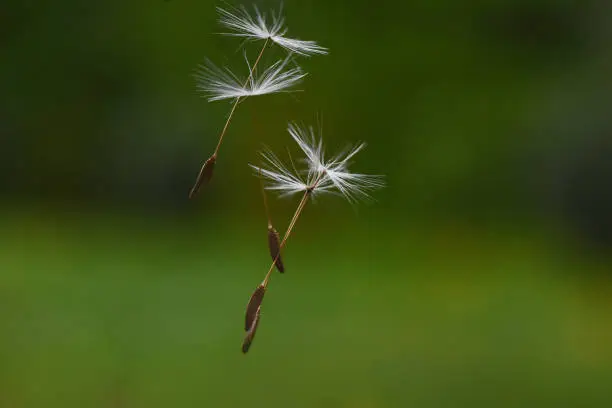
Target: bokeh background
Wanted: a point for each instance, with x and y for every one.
(481, 276)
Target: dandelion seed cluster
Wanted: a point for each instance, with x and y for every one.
(221, 83)
(317, 174)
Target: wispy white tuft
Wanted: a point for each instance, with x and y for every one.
(281, 179)
(321, 175)
(258, 27)
(353, 186)
(307, 141)
(221, 84)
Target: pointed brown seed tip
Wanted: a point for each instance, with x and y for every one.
(253, 306)
(250, 336)
(274, 246)
(206, 173)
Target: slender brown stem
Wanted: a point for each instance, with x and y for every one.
(229, 119)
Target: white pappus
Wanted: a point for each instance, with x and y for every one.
(257, 27)
(321, 175)
(222, 83)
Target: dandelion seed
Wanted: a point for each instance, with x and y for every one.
(273, 237)
(205, 175)
(274, 246)
(320, 175)
(221, 84)
(257, 27)
(253, 306)
(250, 335)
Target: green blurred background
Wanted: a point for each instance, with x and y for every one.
(480, 277)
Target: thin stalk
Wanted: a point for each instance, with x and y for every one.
(229, 119)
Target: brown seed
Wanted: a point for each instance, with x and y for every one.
(206, 173)
(253, 306)
(274, 246)
(250, 336)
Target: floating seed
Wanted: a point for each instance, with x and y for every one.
(206, 173)
(253, 306)
(250, 336)
(274, 246)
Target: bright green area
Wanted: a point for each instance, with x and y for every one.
(110, 312)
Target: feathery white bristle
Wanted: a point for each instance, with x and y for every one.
(279, 177)
(242, 24)
(305, 48)
(221, 84)
(322, 176)
(306, 140)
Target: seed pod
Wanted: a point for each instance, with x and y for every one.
(274, 246)
(253, 306)
(250, 336)
(206, 173)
